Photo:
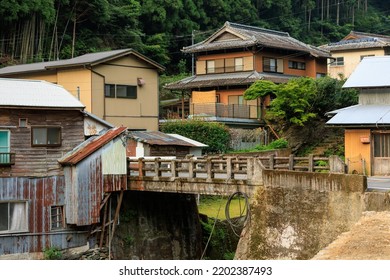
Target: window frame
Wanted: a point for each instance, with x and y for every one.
(381, 147)
(25, 228)
(210, 69)
(6, 155)
(238, 67)
(46, 145)
(270, 67)
(60, 223)
(114, 93)
(297, 65)
(339, 61)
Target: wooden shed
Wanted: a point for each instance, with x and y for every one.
(95, 167)
(159, 144)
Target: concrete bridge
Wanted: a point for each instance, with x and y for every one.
(218, 175)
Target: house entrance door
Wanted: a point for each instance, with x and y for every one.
(381, 154)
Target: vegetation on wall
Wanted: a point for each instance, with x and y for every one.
(215, 135)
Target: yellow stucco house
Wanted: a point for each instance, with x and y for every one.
(348, 52)
(119, 86)
(367, 124)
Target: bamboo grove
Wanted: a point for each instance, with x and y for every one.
(44, 30)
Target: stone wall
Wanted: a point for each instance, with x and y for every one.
(295, 214)
(157, 226)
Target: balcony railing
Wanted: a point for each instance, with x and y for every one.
(225, 110)
(7, 159)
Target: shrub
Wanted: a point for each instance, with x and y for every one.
(52, 253)
(215, 135)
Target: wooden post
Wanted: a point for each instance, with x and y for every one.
(271, 162)
(291, 162)
(191, 168)
(311, 163)
(229, 173)
(116, 217)
(103, 224)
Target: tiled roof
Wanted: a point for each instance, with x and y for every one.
(227, 79)
(90, 146)
(359, 40)
(86, 59)
(160, 138)
(247, 36)
(31, 93)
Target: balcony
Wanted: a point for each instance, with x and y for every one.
(220, 110)
(7, 159)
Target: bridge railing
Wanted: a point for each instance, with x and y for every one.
(310, 163)
(191, 167)
(227, 167)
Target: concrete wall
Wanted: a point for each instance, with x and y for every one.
(296, 214)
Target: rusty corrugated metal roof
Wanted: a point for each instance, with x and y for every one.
(158, 138)
(91, 145)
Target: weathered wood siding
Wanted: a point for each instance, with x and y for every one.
(41, 194)
(40, 161)
(376, 96)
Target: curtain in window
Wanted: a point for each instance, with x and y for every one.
(18, 216)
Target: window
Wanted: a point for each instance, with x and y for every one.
(296, 65)
(46, 136)
(269, 64)
(382, 145)
(238, 64)
(13, 216)
(57, 217)
(120, 91)
(22, 122)
(320, 75)
(5, 157)
(339, 61)
(210, 66)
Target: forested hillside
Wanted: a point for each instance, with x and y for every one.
(37, 30)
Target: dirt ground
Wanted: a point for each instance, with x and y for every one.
(368, 239)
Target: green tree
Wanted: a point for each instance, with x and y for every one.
(260, 89)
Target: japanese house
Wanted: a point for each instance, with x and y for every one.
(42, 205)
(367, 135)
(234, 57)
(349, 51)
(119, 86)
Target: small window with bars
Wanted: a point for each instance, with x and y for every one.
(382, 145)
(57, 218)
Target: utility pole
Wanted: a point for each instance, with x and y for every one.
(193, 55)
